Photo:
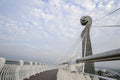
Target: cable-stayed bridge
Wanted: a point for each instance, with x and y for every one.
(82, 69)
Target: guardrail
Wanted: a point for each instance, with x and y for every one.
(19, 70)
(105, 56)
(76, 70)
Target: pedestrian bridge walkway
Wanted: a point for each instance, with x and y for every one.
(46, 75)
(82, 69)
(20, 70)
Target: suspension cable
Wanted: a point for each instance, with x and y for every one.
(107, 15)
(108, 26)
(76, 49)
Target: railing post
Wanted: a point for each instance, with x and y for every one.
(29, 72)
(22, 70)
(40, 67)
(21, 64)
(2, 63)
(33, 68)
(36, 67)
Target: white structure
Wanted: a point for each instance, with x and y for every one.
(19, 70)
(73, 73)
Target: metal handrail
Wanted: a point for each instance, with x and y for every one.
(105, 56)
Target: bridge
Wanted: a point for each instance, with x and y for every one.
(82, 69)
(20, 70)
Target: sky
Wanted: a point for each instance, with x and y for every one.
(49, 30)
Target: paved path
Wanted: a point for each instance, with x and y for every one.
(48, 75)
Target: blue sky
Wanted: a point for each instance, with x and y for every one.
(49, 30)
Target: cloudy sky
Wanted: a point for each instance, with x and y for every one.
(49, 30)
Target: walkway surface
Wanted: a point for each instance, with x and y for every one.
(47, 75)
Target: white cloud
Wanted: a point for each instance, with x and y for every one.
(12, 31)
(57, 22)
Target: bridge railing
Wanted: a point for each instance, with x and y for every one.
(105, 56)
(19, 70)
(101, 57)
(76, 70)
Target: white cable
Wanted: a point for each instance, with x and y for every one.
(107, 14)
(109, 26)
(76, 49)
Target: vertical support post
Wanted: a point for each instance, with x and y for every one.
(86, 43)
(2, 63)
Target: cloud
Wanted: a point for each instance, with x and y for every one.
(12, 30)
(52, 27)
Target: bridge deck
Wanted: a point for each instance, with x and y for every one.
(47, 75)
